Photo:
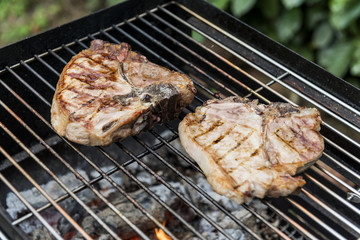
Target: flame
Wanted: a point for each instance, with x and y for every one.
(160, 234)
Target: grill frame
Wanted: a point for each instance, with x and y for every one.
(239, 32)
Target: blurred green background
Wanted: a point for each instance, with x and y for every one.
(325, 32)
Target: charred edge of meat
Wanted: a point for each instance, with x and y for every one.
(110, 50)
(284, 108)
(126, 99)
(165, 98)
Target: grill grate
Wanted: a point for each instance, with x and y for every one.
(327, 207)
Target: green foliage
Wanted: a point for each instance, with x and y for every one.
(337, 58)
(326, 32)
(240, 7)
(290, 4)
(288, 23)
(22, 18)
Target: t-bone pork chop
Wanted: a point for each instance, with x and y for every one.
(251, 150)
(108, 92)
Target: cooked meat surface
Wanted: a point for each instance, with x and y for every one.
(251, 150)
(108, 92)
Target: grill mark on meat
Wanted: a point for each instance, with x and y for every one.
(223, 135)
(239, 143)
(286, 142)
(93, 62)
(256, 152)
(90, 75)
(97, 62)
(304, 140)
(81, 95)
(215, 125)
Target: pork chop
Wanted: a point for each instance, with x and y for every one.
(108, 92)
(251, 150)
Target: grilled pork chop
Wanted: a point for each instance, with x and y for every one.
(251, 150)
(107, 93)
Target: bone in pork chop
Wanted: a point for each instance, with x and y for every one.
(251, 150)
(107, 93)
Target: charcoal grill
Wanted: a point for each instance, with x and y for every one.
(233, 59)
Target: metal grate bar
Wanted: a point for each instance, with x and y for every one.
(342, 150)
(331, 211)
(57, 56)
(342, 166)
(47, 65)
(332, 193)
(81, 43)
(37, 186)
(342, 183)
(69, 50)
(316, 219)
(290, 220)
(28, 205)
(37, 75)
(28, 86)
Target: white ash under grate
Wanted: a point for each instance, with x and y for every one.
(34, 228)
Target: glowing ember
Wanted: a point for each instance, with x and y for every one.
(160, 234)
(135, 238)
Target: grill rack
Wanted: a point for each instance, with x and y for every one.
(339, 162)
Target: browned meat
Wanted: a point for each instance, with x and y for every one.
(251, 150)
(107, 93)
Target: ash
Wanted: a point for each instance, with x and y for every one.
(36, 230)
